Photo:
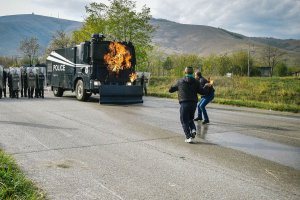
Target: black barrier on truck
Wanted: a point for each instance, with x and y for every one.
(120, 94)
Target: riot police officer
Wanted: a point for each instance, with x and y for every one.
(9, 77)
(24, 82)
(4, 81)
(36, 73)
(1, 80)
(31, 82)
(40, 84)
(143, 83)
(15, 75)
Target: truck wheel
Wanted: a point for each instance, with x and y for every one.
(58, 92)
(81, 94)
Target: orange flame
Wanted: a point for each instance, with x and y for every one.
(118, 57)
(133, 77)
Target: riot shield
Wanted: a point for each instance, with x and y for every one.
(41, 80)
(23, 76)
(44, 72)
(24, 82)
(16, 75)
(31, 77)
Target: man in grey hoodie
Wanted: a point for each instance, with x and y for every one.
(188, 88)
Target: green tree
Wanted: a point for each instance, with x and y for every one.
(168, 64)
(30, 47)
(155, 61)
(60, 39)
(239, 62)
(119, 21)
(224, 65)
(95, 22)
(281, 69)
(184, 60)
(210, 65)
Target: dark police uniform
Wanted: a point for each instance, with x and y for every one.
(143, 83)
(24, 83)
(4, 82)
(1, 81)
(9, 77)
(40, 84)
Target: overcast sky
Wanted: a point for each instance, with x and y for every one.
(263, 18)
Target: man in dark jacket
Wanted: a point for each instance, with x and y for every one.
(188, 88)
(205, 99)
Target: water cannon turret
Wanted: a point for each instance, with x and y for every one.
(97, 37)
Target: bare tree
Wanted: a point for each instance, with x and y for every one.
(30, 47)
(60, 40)
(271, 56)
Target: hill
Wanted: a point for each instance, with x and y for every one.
(14, 28)
(170, 36)
(174, 37)
(197, 39)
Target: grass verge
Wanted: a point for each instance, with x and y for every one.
(13, 183)
(281, 94)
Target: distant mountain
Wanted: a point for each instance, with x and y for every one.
(170, 36)
(205, 40)
(14, 28)
(290, 44)
(196, 39)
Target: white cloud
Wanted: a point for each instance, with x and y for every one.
(269, 18)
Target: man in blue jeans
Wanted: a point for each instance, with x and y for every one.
(205, 99)
(188, 88)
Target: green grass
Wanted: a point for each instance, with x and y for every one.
(282, 94)
(13, 183)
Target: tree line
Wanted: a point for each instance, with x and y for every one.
(238, 63)
(119, 20)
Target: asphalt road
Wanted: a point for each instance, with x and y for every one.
(84, 150)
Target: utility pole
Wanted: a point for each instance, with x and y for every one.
(249, 60)
(249, 53)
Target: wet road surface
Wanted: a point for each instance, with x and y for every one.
(83, 150)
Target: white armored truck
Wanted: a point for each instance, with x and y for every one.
(96, 67)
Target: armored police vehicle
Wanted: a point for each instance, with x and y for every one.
(95, 67)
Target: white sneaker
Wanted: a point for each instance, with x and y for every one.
(190, 140)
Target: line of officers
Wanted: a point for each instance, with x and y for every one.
(28, 81)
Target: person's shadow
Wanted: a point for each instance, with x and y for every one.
(202, 130)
